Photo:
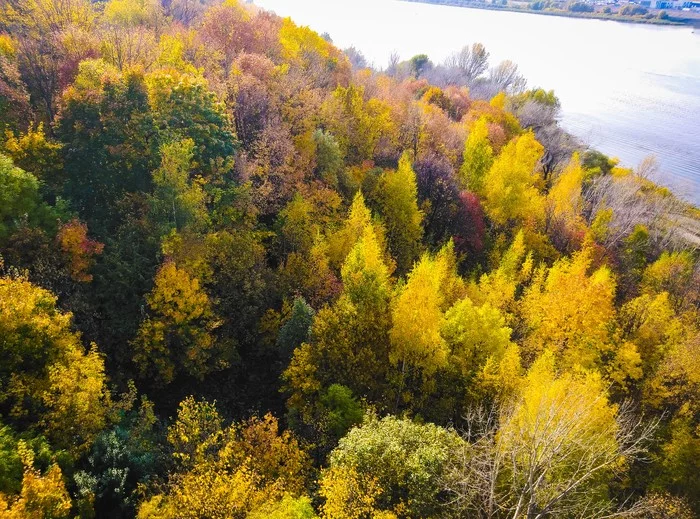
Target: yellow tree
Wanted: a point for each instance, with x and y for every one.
(398, 201)
(511, 184)
(341, 242)
(480, 346)
(477, 157)
(417, 313)
(42, 496)
(557, 444)
(46, 376)
(348, 494)
(564, 198)
(358, 123)
(350, 339)
(572, 313)
(178, 336)
(498, 287)
(227, 472)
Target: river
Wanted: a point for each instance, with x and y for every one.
(629, 90)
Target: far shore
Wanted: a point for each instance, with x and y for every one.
(675, 18)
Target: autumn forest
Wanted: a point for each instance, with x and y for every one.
(243, 275)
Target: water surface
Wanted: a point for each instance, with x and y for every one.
(629, 90)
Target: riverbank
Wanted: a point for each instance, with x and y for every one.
(687, 19)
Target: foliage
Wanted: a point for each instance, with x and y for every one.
(179, 335)
(407, 459)
(399, 209)
(511, 191)
(215, 211)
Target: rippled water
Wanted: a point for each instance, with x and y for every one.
(628, 90)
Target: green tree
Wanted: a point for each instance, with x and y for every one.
(350, 339)
(408, 461)
(178, 201)
(184, 107)
(20, 201)
(110, 139)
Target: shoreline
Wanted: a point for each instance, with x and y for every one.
(467, 4)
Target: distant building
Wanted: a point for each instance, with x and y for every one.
(669, 4)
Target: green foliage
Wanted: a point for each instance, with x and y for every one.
(343, 410)
(20, 201)
(407, 459)
(184, 107)
(329, 158)
(296, 330)
(121, 459)
(178, 201)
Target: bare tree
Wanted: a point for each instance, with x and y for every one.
(394, 60)
(463, 67)
(648, 168)
(507, 78)
(357, 59)
(631, 201)
(549, 470)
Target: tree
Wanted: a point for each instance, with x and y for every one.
(467, 64)
(122, 458)
(399, 463)
(677, 274)
(348, 495)
(184, 107)
(130, 30)
(420, 63)
(359, 124)
(565, 197)
(571, 312)
(296, 330)
(20, 201)
(15, 110)
(480, 346)
(73, 240)
(33, 151)
(46, 378)
(506, 78)
(177, 338)
(178, 201)
(477, 158)
(417, 313)
(110, 140)
(286, 508)
(498, 287)
(511, 184)
(41, 496)
(448, 212)
(227, 472)
(350, 339)
(329, 158)
(557, 443)
(398, 201)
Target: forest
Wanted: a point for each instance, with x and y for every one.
(243, 275)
